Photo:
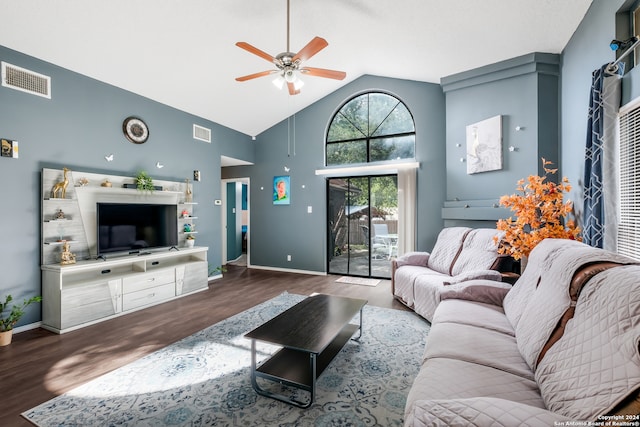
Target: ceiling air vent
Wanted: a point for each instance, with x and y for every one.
(201, 133)
(25, 80)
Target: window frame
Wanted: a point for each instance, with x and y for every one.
(371, 134)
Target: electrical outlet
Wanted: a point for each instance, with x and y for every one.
(288, 257)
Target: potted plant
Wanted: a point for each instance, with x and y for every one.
(144, 182)
(8, 320)
(540, 213)
(190, 241)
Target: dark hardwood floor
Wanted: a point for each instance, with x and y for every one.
(40, 365)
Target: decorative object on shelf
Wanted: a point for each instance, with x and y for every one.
(66, 257)
(540, 213)
(144, 182)
(188, 194)
(82, 182)
(135, 130)
(190, 241)
(60, 188)
(59, 214)
(185, 214)
(7, 322)
(106, 183)
(188, 228)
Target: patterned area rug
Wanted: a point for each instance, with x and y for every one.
(358, 281)
(204, 380)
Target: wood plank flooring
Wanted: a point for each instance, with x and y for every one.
(40, 365)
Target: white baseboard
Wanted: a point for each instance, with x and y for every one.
(27, 327)
(288, 270)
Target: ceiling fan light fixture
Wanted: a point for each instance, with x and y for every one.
(279, 82)
(290, 76)
(297, 84)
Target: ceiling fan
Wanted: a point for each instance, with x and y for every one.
(289, 64)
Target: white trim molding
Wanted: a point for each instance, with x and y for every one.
(368, 169)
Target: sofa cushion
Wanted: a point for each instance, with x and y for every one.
(442, 378)
(486, 291)
(476, 345)
(552, 298)
(426, 293)
(474, 314)
(596, 363)
(474, 275)
(480, 412)
(447, 247)
(405, 278)
(479, 251)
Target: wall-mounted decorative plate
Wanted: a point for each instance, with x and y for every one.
(135, 130)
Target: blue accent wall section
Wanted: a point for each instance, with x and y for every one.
(278, 231)
(80, 125)
(524, 91)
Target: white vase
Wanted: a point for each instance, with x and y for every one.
(190, 242)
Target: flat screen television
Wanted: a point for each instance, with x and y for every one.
(135, 227)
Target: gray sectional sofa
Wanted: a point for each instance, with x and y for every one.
(459, 255)
(563, 345)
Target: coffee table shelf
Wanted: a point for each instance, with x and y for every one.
(311, 334)
(292, 365)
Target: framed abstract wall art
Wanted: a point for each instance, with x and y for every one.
(484, 145)
(281, 190)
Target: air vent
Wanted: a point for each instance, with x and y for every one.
(201, 133)
(26, 81)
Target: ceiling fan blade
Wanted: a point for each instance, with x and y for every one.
(255, 75)
(321, 72)
(313, 47)
(246, 46)
(292, 89)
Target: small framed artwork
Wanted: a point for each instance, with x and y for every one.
(484, 145)
(9, 148)
(281, 190)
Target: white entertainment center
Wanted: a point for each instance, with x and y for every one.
(92, 290)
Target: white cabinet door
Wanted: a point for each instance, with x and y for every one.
(82, 304)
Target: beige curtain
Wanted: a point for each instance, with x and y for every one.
(406, 211)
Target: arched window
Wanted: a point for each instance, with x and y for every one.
(371, 127)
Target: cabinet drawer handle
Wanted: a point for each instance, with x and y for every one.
(151, 280)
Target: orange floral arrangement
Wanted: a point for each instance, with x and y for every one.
(540, 213)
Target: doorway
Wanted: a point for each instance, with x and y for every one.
(235, 221)
(362, 225)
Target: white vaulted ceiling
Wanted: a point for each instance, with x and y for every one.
(182, 52)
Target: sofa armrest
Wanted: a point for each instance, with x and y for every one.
(479, 411)
(413, 258)
(474, 275)
(485, 291)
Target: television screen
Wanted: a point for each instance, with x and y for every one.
(135, 228)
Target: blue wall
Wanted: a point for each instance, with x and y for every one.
(277, 231)
(524, 91)
(76, 128)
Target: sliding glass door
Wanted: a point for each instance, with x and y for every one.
(362, 229)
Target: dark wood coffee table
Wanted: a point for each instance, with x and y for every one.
(310, 333)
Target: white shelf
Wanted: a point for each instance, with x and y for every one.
(188, 217)
(56, 243)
